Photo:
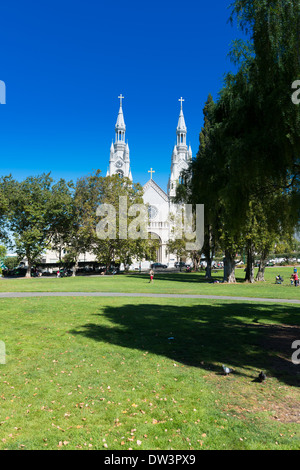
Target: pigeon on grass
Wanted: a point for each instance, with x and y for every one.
(226, 370)
(262, 376)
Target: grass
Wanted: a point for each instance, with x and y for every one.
(171, 283)
(103, 373)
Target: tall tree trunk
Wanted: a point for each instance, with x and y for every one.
(107, 267)
(29, 265)
(196, 262)
(28, 272)
(262, 264)
(250, 263)
(75, 267)
(229, 267)
(208, 250)
(208, 267)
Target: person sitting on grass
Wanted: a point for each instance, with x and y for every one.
(279, 279)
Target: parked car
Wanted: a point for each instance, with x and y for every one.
(65, 272)
(158, 265)
(15, 272)
(180, 264)
(21, 271)
(113, 270)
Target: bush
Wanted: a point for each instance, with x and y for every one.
(11, 262)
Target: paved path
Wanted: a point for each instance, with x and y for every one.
(128, 294)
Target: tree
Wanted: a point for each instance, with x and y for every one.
(178, 247)
(3, 252)
(123, 235)
(287, 247)
(11, 262)
(61, 210)
(201, 181)
(37, 210)
(3, 207)
(274, 31)
(75, 230)
(256, 129)
(5, 184)
(29, 217)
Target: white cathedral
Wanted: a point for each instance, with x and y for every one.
(159, 202)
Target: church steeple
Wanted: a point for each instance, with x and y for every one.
(119, 162)
(120, 127)
(181, 127)
(181, 155)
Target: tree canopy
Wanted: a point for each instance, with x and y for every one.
(247, 169)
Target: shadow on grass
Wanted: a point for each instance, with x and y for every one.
(241, 335)
(183, 277)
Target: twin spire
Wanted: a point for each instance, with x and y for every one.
(120, 126)
(119, 162)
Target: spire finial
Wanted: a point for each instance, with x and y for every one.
(181, 101)
(121, 97)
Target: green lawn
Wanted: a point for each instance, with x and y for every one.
(172, 283)
(103, 373)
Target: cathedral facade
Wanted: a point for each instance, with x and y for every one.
(159, 202)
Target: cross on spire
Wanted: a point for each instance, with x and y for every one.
(121, 97)
(151, 171)
(181, 101)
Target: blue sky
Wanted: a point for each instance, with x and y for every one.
(65, 63)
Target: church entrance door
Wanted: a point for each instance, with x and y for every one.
(154, 236)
